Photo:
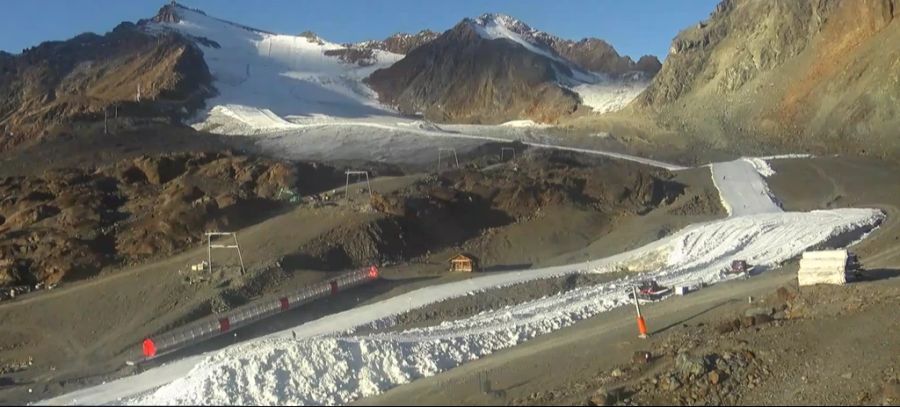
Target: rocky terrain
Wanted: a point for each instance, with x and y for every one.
(597, 55)
(592, 54)
(784, 75)
(440, 81)
(399, 43)
(123, 73)
(70, 223)
(461, 208)
(363, 53)
(746, 359)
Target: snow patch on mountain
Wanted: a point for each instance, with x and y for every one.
(607, 96)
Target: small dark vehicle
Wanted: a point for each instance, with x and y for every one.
(738, 268)
(650, 291)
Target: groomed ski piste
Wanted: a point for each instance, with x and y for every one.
(329, 364)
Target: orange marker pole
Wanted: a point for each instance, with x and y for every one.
(642, 325)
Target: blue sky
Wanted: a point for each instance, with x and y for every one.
(634, 27)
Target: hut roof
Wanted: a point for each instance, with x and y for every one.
(463, 256)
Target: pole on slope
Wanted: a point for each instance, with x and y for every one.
(241, 257)
(642, 325)
(209, 252)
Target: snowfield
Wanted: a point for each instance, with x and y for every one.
(263, 78)
(609, 96)
(329, 364)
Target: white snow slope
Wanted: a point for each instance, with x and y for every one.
(608, 96)
(329, 364)
(742, 188)
(264, 78)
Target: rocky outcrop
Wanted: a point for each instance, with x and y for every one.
(462, 77)
(64, 81)
(167, 14)
(357, 56)
(801, 75)
(599, 56)
(400, 43)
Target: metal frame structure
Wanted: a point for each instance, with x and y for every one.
(505, 149)
(215, 325)
(448, 150)
(347, 184)
(210, 246)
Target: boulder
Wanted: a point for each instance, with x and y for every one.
(688, 366)
(753, 312)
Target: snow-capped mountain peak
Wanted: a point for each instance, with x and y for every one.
(501, 26)
(504, 20)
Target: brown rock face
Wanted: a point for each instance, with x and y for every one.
(63, 81)
(801, 75)
(71, 223)
(442, 80)
(599, 56)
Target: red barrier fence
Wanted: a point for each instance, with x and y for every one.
(215, 325)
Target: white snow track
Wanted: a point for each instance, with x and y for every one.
(329, 364)
(742, 188)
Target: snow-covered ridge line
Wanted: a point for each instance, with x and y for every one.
(182, 9)
(500, 26)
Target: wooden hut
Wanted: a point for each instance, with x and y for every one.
(463, 263)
